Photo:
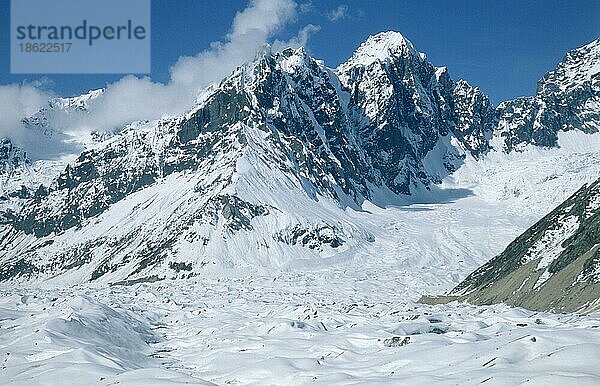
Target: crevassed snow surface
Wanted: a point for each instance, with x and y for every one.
(347, 318)
(314, 328)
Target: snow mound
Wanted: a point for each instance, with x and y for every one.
(71, 336)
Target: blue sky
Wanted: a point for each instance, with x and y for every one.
(504, 47)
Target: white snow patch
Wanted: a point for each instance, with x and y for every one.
(300, 328)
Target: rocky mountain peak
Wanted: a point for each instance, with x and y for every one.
(474, 117)
(44, 121)
(383, 47)
(296, 61)
(77, 102)
(567, 98)
(580, 67)
(11, 156)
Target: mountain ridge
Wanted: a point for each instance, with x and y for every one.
(280, 133)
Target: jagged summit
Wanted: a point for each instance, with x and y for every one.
(567, 98)
(382, 47)
(579, 67)
(78, 101)
(474, 118)
(465, 85)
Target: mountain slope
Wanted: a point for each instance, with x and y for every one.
(235, 146)
(554, 265)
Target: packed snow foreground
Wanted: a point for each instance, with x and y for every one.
(283, 231)
(303, 328)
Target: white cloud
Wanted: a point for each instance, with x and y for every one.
(133, 98)
(299, 40)
(339, 13)
(127, 100)
(250, 31)
(18, 101)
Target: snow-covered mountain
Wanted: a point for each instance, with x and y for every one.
(44, 120)
(567, 98)
(42, 152)
(44, 127)
(405, 112)
(267, 169)
(554, 265)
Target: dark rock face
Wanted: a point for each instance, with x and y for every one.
(475, 119)
(179, 266)
(315, 237)
(403, 107)
(310, 120)
(554, 265)
(396, 341)
(238, 213)
(11, 156)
